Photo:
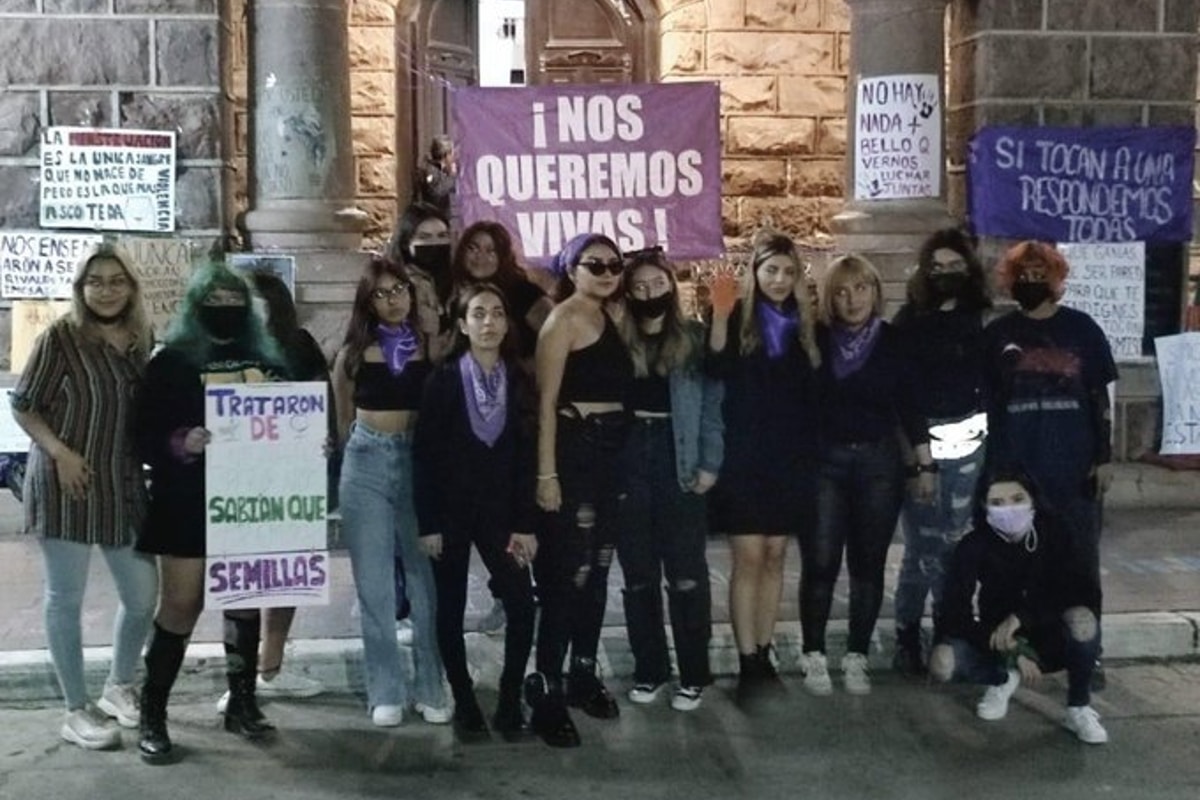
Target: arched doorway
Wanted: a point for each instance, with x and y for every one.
(566, 41)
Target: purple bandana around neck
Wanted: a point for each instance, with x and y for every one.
(399, 343)
(851, 349)
(776, 327)
(487, 398)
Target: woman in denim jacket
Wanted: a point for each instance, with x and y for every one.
(670, 461)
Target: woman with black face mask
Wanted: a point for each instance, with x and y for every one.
(942, 328)
(669, 462)
(422, 244)
(215, 338)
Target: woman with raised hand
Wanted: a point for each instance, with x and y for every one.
(378, 378)
(215, 338)
(762, 345)
(473, 455)
(583, 373)
(76, 399)
(671, 461)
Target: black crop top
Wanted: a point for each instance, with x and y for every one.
(598, 373)
(377, 389)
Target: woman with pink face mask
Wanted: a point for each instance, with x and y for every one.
(1020, 600)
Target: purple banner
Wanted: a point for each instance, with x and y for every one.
(639, 163)
(1083, 184)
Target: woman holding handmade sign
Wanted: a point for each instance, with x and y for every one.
(473, 481)
(215, 338)
(378, 378)
(83, 483)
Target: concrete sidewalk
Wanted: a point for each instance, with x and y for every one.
(1151, 563)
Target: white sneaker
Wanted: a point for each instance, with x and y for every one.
(644, 693)
(1084, 722)
(854, 674)
(816, 673)
(288, 684)
(434, 715)
(89, 729)
(994, 703)
(387, 716)
(687, 698)
(404, 632)
(120, 701)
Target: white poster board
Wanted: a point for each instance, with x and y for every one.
(108, 179)
(897, 137)
(1179, 373)
(164, 267)
(40, 265)
(1108, 283)
(13, 438)
(266, 495)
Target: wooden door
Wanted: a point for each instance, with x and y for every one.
(591, 41)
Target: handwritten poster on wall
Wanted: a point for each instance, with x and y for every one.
(898, 137)
(638, 163)
(29, 319)
(1083, 184)
(40, 264)
(1179, 373)
(108, 179)
(13, 438)
(265, 479)
(164, 267)
(1108, 282)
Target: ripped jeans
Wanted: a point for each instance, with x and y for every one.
(663, 529)
(931, 531)
(576, 544)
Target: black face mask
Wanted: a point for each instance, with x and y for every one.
(433, 258)
(650, 308)
(1029, 295)
(224, 322)
(947, 285)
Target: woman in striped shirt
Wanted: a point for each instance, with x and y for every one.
(83, 485)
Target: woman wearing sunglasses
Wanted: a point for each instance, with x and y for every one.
(583, 373)
(378, 378)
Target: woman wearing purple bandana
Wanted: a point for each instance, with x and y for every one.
(762, 345)
(474, 484)
(378, 379)
(867, 403)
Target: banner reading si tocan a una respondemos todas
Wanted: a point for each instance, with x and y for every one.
(265, 505)
(638, 163)
(1083, 184)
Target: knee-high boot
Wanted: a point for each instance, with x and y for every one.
(242, 715)
(164, 657)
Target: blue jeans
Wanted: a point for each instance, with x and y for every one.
(136, 577)
(378, 520)
(931, 530)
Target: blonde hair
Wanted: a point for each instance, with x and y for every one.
(768, 244)
(134, 319)
(842, 270)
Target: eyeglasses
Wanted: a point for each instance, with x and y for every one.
(397, 291)
(118, 283)
(598, 267)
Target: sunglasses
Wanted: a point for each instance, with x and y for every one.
(598, 267)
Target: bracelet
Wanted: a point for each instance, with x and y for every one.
(551, 476)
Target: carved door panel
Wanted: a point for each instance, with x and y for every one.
(590, 41)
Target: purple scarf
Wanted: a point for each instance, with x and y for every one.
(487, 398)
(398, 344)
(851, 349)
(776, 327)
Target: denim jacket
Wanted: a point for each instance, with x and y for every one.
(697, 423)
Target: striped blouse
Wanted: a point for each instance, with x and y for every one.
(86, 391)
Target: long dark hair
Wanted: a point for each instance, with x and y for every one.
(508, 271)
(767, 245)
(974, 295)
(282, 322)
(677, 348)
(406, 227)
(508, 346)
(360, 333)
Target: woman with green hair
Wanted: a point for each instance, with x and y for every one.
(215, 338)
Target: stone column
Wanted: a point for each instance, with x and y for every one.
(892, 37)
(302, 183)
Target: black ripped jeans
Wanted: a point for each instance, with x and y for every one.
(576, 544)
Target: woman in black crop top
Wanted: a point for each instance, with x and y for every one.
(378, 378)
(583, 371)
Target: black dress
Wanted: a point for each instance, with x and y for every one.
(768, 481)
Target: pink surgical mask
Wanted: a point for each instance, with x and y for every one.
(1011, 523)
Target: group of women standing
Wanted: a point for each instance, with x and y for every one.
(471, 410)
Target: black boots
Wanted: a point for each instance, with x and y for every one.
(908, 659)
(164, 656)
(757, 677)
(585, 691)
(550, 719)
(242, 715)
(509, 720)
(469, 724)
